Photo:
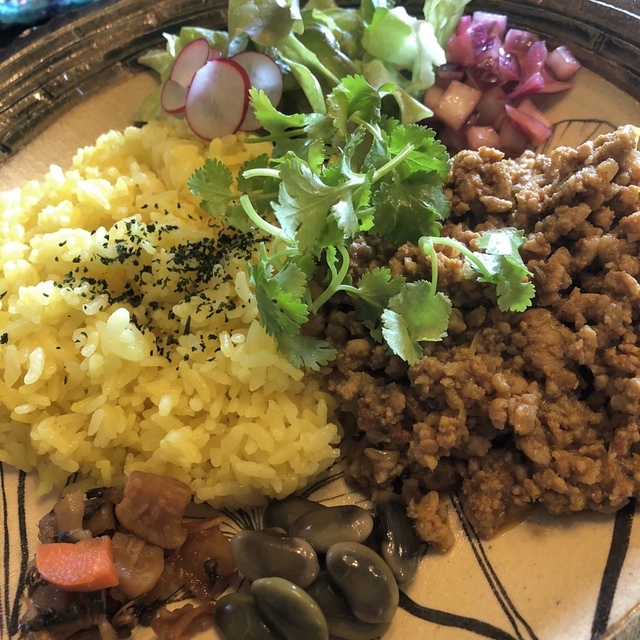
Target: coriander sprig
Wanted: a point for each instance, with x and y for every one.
(336, 176)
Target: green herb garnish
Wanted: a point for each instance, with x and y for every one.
(335, 176)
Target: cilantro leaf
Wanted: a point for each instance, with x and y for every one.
(317, 214)
(371, 296)
(306, 351)
(282, 311)
(514, 294)
(503, 242)
(274, 121)
(428, 153)
(376, 287)
(353, 96)
(303, 206)
(212, 182)
(256, 184)
(500, 265)
(505, 268)
(329, 178)
(344, 214)
(407, 210)
(415, 314)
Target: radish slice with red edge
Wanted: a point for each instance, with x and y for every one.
(215, 53)
(218, 99)
(264, 74)
(173, 97)
(191, 58)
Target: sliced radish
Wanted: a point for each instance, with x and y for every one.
(264, 74)
(218, 99)
(173, 97)
(215, 53)
(189, 60)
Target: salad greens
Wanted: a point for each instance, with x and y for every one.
(318, 45)
(349, 158)
(332, 176)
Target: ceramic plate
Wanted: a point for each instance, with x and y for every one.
(545, 579)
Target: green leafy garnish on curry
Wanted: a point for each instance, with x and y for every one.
(336, 175)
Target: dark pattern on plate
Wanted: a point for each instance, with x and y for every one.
(575, 132)
(445, 619)
(15, 543)
(521, 627)
(615, 561)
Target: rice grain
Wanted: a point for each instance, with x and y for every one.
(130, 336)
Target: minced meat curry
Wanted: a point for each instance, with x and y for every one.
(511, 409)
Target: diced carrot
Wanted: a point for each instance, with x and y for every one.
(86, 565)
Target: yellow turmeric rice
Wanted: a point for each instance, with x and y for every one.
(129, 336)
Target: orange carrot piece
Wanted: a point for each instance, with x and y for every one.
(86, 565)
